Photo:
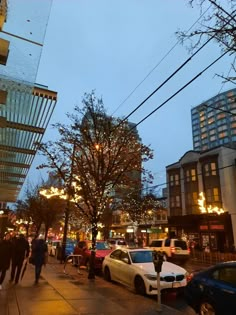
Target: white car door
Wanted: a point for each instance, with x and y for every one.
(125, 269)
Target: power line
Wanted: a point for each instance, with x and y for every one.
(182, 88)
(163, 58)
(178, 69)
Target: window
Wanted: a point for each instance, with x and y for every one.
(211, 120)
(227, 275)
(174, 179)
(177, 201)
(190, 175)
(222, 134)
(174, 201)
(210, 169)
(212, 195)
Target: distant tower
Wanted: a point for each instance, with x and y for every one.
(214, 122)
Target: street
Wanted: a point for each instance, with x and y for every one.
(170, 298)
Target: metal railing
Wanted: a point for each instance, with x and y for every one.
(75, 261)
(212, 257)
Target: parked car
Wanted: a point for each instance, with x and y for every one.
(83, 248)
(54, 247)
(117, 242)
(134, 268)
(173, 249)
(213, 290)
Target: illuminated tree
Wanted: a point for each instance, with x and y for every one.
(95, 155)
(37, 210)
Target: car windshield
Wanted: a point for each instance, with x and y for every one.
(138, 257)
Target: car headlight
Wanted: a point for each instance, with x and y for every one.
(151, 277)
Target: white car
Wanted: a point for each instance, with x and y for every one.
(135, 268)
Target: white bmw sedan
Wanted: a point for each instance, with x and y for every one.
(134, 268)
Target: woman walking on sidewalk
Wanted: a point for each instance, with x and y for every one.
(39, 254)
(5, 254)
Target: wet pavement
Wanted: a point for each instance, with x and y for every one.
(70, 292)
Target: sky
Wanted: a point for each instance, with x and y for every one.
(124, 50)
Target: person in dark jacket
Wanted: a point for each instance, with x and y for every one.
(39, 255)
(5, 257)
(20, 252)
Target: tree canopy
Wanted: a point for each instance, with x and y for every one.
(96, 157)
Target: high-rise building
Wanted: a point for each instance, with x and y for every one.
(214, 122)
(25, 107)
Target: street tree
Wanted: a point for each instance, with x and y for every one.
(139, 209)
(95, 155)
(217, 22)
(36, 210)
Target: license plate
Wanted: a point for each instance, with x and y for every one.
(176, 285)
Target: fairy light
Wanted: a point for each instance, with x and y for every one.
(210, 208)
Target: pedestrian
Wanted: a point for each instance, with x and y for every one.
(5, 257)
(39, 255)
(20, 252)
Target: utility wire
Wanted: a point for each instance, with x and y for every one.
(182, 88)
(178, 69)
(163, 58)
(182, 178)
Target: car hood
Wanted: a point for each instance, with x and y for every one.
(167, 268)
(103, 252)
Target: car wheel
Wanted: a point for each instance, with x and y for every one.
(139, 285)
(206, 308)
(107, 274)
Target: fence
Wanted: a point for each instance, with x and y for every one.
(212, 257)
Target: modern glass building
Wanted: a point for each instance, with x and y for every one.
(214, 122)
(25, 107)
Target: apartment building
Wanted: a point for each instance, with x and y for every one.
(214, 122)
(201, 196)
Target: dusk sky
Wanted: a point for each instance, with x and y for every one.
(111, 47)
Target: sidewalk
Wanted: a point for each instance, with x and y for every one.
(72, 293)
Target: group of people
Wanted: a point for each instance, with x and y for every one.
(15, 251)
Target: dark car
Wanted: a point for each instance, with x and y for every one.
(213, 290)
(83, 248)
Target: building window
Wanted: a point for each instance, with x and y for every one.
(210, 169)
(222, 134)
(174, 180)
(212, 195)
(190, 175)
(211, 120)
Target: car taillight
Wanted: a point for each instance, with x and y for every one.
(172, 249)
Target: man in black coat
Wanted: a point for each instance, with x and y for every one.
(5, 254)
(20, 252)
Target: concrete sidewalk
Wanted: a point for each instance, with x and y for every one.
(71, 293)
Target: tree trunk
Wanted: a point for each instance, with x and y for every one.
(91, 273)
(64, 239)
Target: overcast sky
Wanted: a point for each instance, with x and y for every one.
(111, 46)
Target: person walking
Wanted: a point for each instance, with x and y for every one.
(5, 254)
(39, 255)
(20, 252)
